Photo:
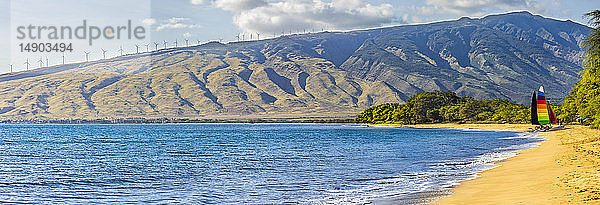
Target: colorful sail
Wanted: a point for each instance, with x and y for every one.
(534, 118)
(541, 112)
(551, 113)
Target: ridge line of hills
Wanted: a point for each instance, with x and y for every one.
(327, 74)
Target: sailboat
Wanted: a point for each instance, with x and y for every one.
(541, 112)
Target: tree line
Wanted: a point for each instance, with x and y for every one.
(445, 106)
(583, 101)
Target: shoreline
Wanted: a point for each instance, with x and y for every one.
(448, 191)
(563, 169)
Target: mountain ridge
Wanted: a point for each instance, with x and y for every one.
(319, 74)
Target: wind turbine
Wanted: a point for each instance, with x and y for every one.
(47, 61)
(27, 63)
(103, 53)
(250, 36)
(186, 42)
(238, 37)
(165, 42)
(243, 36)
(87, 55)
(147, 49)
(41, 62)
(63, 58)
(258, 36)
(175, 43)
(121, 50)
(10, 68)
(137, 49)
(198, 42)
(156, 46)
(220, 40)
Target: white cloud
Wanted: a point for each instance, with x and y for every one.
(274, 17)
(481, 7)
(176, 26)
(238, 5)
(177, 19)
(176, 23)
(346, 4)
(197, 2)
(149, 22)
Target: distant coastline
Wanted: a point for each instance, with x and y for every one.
(182, 121)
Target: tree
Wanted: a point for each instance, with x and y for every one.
(378, 114)
(584, 99)
(424, 107)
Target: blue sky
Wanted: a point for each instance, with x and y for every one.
(206, 20)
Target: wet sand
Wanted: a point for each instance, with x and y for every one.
(564, 169)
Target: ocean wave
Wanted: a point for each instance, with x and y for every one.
(406, 186)
(523, 135)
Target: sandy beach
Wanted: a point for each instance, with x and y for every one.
(564, 169)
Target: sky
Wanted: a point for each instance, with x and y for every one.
(202, 21)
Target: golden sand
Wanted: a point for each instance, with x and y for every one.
(565, 169)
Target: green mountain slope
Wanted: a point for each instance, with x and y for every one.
(320, 74)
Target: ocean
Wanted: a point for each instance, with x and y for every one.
(243, 163)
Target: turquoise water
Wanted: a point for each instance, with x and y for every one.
(241, 163)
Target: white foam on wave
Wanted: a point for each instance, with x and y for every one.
(394, 188)
(378, 190)
(524, 135)
(490, 160)
(504, 153)
(476, 129)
